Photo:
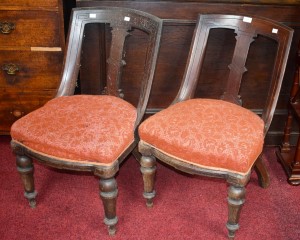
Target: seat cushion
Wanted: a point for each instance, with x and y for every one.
(213, 134)
(80, 128)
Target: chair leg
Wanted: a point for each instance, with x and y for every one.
(262, 173)
(148, 170)
(236, 199)
(108, 194)
(25, 168)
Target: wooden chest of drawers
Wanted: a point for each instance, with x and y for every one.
(31, 55)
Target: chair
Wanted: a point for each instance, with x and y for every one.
(92, 133)
(216, 137)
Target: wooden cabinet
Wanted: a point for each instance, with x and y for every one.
(31, 56)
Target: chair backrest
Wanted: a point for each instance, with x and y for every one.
(246, 29)
(121, 21)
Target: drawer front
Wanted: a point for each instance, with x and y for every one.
(29, 28)
(14, 105)
(30, 70)
(30, 3)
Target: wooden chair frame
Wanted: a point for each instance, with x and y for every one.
(246, 29)
(122, 21)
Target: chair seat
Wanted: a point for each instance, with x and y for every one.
(210, 133)
(96, 129)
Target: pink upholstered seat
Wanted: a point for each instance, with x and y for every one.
(210, 133)
(79, 128)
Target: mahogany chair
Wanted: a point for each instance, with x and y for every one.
(92, 133)
(216, 137)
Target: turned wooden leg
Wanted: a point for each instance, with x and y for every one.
(25, 168)
(236, 199)
(286, 147)
(294, 173)
(108, 194)
(262, 173)
(148, 169)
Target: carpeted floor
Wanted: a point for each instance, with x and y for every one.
(186, 207)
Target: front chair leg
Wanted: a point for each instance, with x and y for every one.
(108, 194)
(236, 199)
(148, 170)
(262, 173)
(25, 168)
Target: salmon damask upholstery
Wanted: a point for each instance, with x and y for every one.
(79, 128)
(207, 132)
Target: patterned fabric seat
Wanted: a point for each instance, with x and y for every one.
(79, 128)
(209, 133)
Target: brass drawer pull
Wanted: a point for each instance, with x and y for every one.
(17, 113)
(10, 68)
(7, 27)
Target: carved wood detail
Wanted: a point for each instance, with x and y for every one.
(237, 67)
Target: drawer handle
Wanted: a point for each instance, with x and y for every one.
(10, 68)
(7, 27)
(17, 113)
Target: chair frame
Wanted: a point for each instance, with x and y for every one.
(122, 20)
(246, 32)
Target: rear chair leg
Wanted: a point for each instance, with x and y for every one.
(236, 199)
(108, 194)
(148, 170)
(25, 168)
(262, 173)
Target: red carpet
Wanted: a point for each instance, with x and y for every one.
(186, 207)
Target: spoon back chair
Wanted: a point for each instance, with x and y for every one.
(216, 137)
(92, 133)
